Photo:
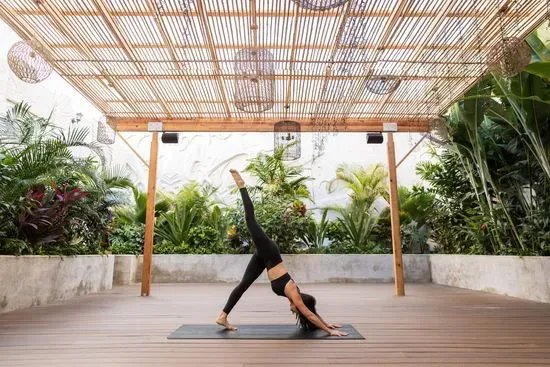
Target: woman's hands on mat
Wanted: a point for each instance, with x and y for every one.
(337, 333)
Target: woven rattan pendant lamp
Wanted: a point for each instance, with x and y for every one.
(255, 82)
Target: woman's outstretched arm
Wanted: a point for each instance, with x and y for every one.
(296, 299)
(330, 326)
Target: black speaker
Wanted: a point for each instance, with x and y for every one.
(375, 138)
(169, 138)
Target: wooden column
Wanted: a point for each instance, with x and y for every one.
(150, 217)
(395, 225)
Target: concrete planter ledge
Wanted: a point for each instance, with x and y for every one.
(521, 277)
(37, 280)
(304, 268)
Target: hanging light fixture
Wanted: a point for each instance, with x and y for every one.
(511, 55)
(439, 134)
(28, 64)
(287, 135)
(320, 4)
(382, 84)
(105, 133)
(255, 82)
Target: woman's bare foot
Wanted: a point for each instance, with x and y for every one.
(237, 177)
(222, 321)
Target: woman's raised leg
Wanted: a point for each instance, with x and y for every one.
(258, 235)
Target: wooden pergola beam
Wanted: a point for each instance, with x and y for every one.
(275, 76)
(275, 46)
(253, 125)
(272, 14)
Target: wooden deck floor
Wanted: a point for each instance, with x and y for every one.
(431, 326)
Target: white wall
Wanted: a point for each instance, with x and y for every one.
(207, 158)
(201, 157)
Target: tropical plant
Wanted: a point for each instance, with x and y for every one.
(127, 239)
(492, 180)
(174, 226)
(282, 221)
(416, 206)
(136, 214)
(53, 200)
(195, 219)
(358, 226)
(277, 178)
(364, 184)
(357, 221)
(316, 232)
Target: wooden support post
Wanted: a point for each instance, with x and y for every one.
(395, 225)
(150, 217)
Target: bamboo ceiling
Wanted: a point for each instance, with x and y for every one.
(173, 60)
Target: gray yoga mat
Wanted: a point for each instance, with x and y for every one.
(279, 332)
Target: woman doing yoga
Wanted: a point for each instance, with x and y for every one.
(267, 255)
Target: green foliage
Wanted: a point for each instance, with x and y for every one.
(349, 248)
(358, 226)
(202, 236)
(276, 178)
(336, 232)
(136, 214)
(492, 180)
(316, 233)
(52, 202)
(174, 226)
(127, 239)
(364, 184)
(540, 69)
(282, 221)
(196, 224)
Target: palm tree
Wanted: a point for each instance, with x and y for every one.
(276, 177)
(365, 184)
(136, 214)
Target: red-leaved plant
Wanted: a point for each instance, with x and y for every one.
(43, 216)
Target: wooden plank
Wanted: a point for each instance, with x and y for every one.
(432, 326)
(271, 14)
(395, 225)
(150, 217)
(264, 125)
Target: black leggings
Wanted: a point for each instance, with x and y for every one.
(266, 255)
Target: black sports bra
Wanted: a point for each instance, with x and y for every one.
(278, 285)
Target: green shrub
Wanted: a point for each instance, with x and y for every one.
(127, 239)
(283, 220)
(202, 236)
